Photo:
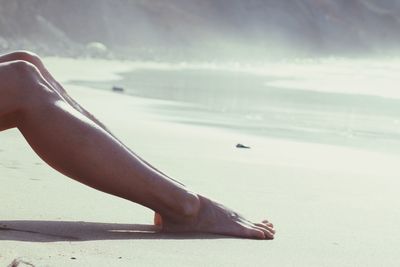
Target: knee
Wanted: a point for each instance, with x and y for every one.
(23, 70)
(26, 56)
(22, 87)
(24, 78)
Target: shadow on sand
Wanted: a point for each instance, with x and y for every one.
(58, 231)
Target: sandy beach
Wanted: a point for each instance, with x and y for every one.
(331, 205)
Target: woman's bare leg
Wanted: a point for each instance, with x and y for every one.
(81, 149)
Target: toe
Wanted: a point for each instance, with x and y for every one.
(263, 226)
(268, 233)
(266, 222)
(250, 231)
(157, 219)
(256, 233)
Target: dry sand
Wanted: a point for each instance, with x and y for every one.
(332, 206)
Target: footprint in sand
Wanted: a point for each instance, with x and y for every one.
(10, 165)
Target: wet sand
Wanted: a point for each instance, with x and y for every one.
(332, 205)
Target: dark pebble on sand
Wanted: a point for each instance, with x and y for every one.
(242, 146)
(118, 89)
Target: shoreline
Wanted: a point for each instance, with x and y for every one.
(254, 107)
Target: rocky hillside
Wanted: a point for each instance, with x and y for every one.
(201, 28)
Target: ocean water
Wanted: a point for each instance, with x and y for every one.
(332, 101)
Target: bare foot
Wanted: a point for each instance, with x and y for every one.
(214, 218)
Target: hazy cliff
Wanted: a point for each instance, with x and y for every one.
(201, 28)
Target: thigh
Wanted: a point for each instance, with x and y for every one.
(19, 85)
(9, 95)
(8, 121)
(8, 87)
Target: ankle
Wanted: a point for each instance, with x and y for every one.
(190, 206)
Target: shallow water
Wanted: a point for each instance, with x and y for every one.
(333, 101)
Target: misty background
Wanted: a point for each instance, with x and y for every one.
(201, 29)
(236, 64)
